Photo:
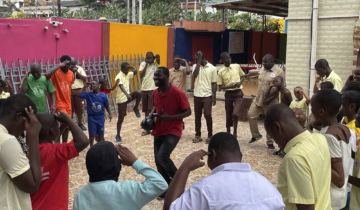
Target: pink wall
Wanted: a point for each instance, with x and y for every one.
(27, 39)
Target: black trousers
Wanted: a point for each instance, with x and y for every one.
(163, 147)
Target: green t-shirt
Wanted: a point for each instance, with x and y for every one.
(36, 89)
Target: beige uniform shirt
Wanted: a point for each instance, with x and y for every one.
(230, 75)
(178, 78)
(4, 95)
(13, 163)
(207, 75)
(78, 83)
(148, 80)
(125, 81)
(265, 78)
(335, 80)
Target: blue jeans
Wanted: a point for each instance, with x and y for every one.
(163, 147)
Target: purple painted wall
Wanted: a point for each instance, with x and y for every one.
(27, 39)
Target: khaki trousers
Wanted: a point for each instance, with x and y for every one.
(253, 114)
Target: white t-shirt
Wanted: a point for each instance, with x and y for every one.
(353, 148)
(339, 149)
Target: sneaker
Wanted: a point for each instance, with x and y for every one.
(271, 147)
(162, 196)
(255, 139)
(82, 127)
(118, 139)
(137, 113)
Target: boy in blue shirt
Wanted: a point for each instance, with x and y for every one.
(95, 103)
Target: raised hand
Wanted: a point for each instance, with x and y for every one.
(32, 125)
(27, 74)
(62, 117)
(127, 157)
(63, 64)
(193, 161)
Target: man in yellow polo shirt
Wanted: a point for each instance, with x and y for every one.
(204, 94)
(305, 171)
(123, 96)
(327, 75)
(147, 69)
(230, 79)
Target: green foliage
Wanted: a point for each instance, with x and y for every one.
(208, 16)
(161, 13)
(10, 7)
(253, 22)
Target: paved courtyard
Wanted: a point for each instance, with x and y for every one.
(261, 160)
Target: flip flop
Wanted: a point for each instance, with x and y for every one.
(145, 133)
(197, 139)
(279, 152)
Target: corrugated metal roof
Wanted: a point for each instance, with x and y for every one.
(263, 7)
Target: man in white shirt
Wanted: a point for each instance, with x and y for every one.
(232, 184)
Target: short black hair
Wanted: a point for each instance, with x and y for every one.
(329, 100)
(352, 86)
(353, 97)
(150, 54)
(225, 143)
(2, 102)
(223, 54)
(94, 80)
(164, 70)
(46, 120)
(103, 81)
(298, 87)
(321, 63)
(124, 64)
(17, 103)
(269, 56)
(326, 85)
(64, 58)
(278, 113)
(280, 77)
(177, 56)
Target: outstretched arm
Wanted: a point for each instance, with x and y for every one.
(53, 70)
(116, 84)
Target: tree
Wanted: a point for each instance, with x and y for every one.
(253, 22)
(11, 7)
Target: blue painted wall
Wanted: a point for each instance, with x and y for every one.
(183, 44)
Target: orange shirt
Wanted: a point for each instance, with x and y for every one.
(62, 82)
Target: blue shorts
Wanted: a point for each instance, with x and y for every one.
(96, 125)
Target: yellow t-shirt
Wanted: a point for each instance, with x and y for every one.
(335, 80)
(124, 80)
(13, 163)
(148, 80)
(206, 76)
(352, 126)
(355, 191)
(305, 172)
(78, 83)
(230, 75)
(4, 95)
(300, 104)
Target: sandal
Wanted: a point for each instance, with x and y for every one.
(197, 139)
(208, 140)
(145, 133)
(279, 152)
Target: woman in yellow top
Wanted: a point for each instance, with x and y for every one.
(5, 85)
